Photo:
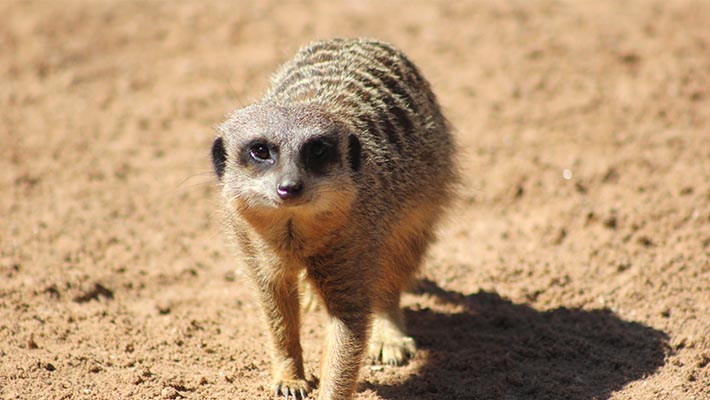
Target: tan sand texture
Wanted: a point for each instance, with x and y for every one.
(576, 264)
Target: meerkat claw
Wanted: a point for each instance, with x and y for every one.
(291, 390)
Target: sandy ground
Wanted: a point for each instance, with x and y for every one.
(576, 265)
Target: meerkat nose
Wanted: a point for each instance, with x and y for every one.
(289, 189)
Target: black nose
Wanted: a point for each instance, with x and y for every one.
(289, 189)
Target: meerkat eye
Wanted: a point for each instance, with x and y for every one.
(260, 152)
(318, 154)
(317, 149)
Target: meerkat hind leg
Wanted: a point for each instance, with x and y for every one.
(389, 344)
(309, 298)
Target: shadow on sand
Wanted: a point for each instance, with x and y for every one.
(496, 349)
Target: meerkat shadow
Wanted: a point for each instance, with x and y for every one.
(492, 348)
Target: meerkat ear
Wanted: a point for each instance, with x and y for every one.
(219, 157)
(354, 152)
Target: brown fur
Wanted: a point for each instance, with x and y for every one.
(365, 217)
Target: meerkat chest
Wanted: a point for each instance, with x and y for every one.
(299, 235)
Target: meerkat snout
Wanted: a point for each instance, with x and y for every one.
(289, 188)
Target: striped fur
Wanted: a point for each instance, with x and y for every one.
(380, 92)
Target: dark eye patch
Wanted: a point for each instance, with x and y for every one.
(317, 150)
(319, 153)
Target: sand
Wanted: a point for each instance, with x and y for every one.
(576, 263)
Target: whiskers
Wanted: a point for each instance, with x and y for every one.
(197, 180)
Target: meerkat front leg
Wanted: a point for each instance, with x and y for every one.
(347, 301)
(345, 345)
(279, 300)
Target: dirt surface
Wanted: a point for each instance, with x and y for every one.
(576, 264)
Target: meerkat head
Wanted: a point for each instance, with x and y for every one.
(295, 159)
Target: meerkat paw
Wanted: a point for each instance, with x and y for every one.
(389, 344)
(394, 349)
(292, 389)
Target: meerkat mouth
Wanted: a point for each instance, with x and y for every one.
(293, 203)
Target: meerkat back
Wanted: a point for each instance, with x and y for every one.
(340, 173)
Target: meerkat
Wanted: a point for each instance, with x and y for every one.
(339, 175)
